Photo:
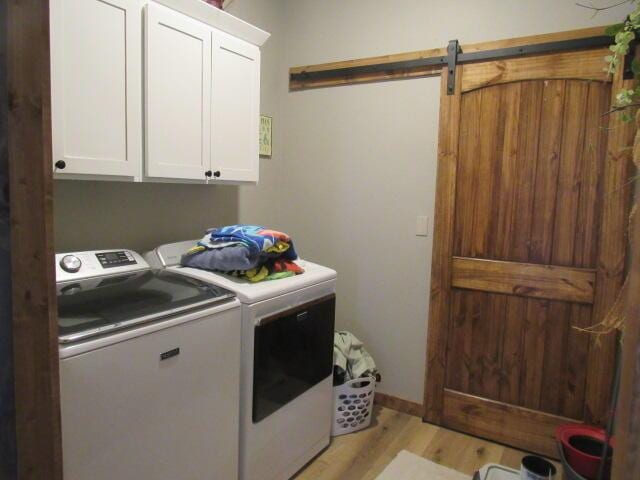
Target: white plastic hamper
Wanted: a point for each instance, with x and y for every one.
(352, 405)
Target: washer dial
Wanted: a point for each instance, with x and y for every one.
(70, 263)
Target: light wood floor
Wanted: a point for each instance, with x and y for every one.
(363, 455)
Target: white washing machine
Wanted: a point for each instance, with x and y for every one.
(287, 361)
(149, 371)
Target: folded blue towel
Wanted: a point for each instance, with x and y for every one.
(235, 257)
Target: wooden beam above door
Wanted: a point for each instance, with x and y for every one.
(411, 64)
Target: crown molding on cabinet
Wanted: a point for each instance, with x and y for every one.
(219, 19)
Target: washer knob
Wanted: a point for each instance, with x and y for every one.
(70, 263)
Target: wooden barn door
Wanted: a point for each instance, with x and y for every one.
(529, 243)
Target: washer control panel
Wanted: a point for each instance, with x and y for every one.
(80, 265)
(115, 259)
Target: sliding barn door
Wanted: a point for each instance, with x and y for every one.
(529, 247)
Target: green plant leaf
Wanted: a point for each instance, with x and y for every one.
(624, 37)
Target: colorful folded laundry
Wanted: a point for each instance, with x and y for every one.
(256, 238)
(249, 251)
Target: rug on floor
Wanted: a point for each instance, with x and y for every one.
(408, 466)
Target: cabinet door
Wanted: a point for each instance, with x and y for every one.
(236, 106)
(96, 69)
(178, 95)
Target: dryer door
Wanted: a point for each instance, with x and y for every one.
(293, 351)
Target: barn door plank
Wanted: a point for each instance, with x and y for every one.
(611, 260)
(440, 295)
(526, 160)
(563, 240)
(547, 172)
(585, 251)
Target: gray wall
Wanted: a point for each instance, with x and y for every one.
(256, 203)
(7, 421)
(139, 216)
(357, 164)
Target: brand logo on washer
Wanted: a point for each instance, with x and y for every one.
(170, 353)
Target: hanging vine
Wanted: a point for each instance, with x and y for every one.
(624, 34)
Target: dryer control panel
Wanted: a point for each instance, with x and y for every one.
(79, 265)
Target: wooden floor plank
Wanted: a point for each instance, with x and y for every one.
(364, 455)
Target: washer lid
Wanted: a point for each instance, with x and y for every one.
(98, 305)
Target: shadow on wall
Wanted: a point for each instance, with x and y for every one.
(92, 215)
(7, 411)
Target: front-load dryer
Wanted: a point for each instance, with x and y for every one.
(287, 360)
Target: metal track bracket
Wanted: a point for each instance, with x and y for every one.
(452, 61)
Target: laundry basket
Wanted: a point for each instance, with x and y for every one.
(352, 405)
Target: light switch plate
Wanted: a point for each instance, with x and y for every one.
(422, 226)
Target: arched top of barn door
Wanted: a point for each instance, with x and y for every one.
(575, 65)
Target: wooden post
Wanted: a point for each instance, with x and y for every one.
(37, 395)
(626, 461)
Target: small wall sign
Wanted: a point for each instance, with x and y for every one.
(265, 135)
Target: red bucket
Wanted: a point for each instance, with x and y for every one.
(583, 445)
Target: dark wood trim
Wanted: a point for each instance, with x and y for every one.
(626, 460)
(438, 325)
(399, 404)
(612, 258)
(530, 430)
(389, 67)
(7, 412)
(524, 279)
(35, 327)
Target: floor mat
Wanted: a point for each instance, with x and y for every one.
(408, 466)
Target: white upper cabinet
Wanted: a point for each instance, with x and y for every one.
(177, 95)
(199, 95)
(236, 109)
(96, 68)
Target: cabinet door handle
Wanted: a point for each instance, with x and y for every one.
(207, 174)
(60, 165)
(216, 173)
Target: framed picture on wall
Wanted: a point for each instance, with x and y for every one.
(265, 135)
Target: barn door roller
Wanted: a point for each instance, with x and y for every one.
(452, 60)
